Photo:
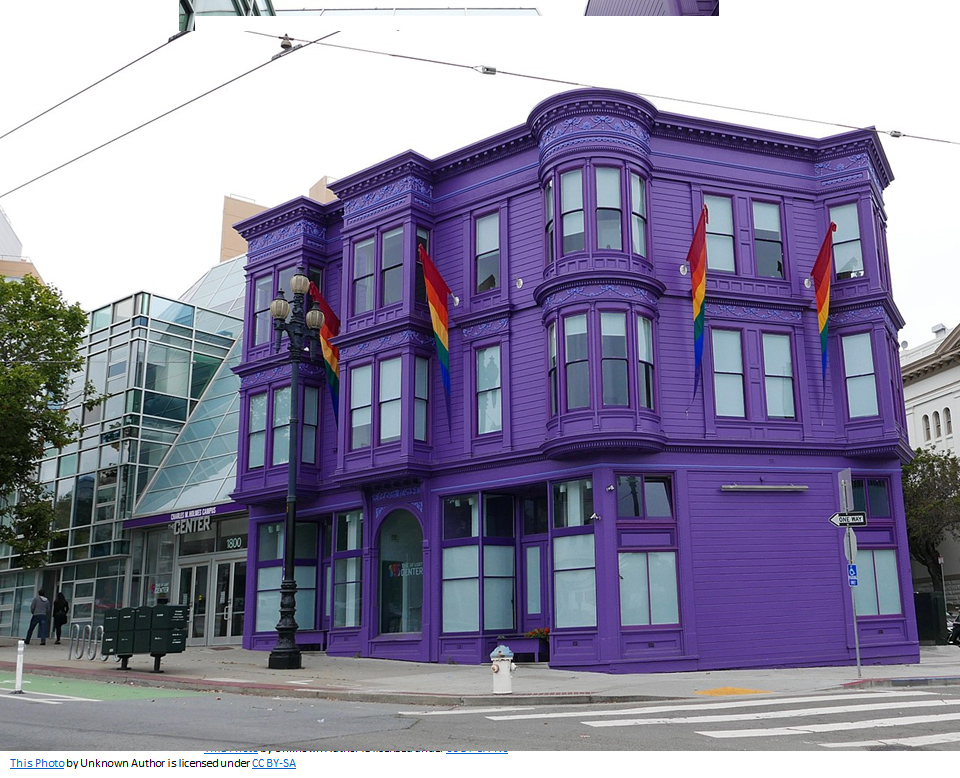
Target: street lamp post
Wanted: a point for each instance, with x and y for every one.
(302, 330)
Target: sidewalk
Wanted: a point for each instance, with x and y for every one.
(235, 670)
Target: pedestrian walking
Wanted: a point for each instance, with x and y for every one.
(61, 607)
(40, 608)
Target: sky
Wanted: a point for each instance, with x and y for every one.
(144, 212)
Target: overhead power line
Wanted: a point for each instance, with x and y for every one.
(161, 116)
(487, 70)
(88, 88)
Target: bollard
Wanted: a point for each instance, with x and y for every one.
(18, 686)
(503, 669)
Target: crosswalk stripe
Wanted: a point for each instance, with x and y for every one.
(841, 726)
(751, 703)
(773, 714)
(911, 742)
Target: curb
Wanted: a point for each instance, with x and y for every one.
(148, 679)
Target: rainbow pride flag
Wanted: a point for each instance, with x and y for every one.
(822, 272)
(697, 259)
(331, 354)
(437, 294)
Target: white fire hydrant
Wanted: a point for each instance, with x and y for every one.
(503, 669)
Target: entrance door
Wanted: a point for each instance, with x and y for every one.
(230, 587)
(194, 582)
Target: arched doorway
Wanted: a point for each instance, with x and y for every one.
(401, 574)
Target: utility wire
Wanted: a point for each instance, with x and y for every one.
(88, 88)
(493, 71)
(161, 116)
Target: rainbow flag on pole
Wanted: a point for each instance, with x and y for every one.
(331, 354)
(437, 294)
(697, 259)
(822, 271)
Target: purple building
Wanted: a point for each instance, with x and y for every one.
(653, 8)
(572, 479)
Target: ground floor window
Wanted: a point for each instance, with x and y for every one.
(878, 586)
(648, 588)
(401, 574)
(574, 581)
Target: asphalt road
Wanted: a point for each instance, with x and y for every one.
(60, 715)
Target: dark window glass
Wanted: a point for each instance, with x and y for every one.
(498, 516)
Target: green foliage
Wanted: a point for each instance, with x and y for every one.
(40, 340)
(931, 500)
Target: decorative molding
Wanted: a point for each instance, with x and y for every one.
(482, 329)
(840, 165)
(752, 312)
(396, 494)
(386, 341)
(279, 372)
(408, 184)
(592, 291)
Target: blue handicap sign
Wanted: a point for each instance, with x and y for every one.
(852, 581)
(852, 571)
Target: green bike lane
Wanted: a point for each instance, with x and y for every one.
(60, 690)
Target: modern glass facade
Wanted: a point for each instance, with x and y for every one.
(153, 358)
(191, 9)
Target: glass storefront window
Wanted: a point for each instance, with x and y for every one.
(401, 573)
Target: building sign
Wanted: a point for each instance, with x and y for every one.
(403, 569)
(197, 520)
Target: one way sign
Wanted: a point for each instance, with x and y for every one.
(849, 519)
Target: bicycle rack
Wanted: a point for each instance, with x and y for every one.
(85, 641)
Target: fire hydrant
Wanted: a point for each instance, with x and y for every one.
(503, 669)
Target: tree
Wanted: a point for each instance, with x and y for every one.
(931, 500)
(40, 340)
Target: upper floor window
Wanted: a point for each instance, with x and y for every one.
(420, 284)
(257, 430)
(937, 427)
(488, 252)
(361, 387)
(281, 426)
(720, 234)
(609, 209)
(421, 398)
(548, 208)
(613, 358)
(571, 211)
(948, 421)
(926, 427)
(271, 411)
(858, 370)
(488, 390)
(638, 214)
(577, 366)
(778, 376)
(644, 497)
(363, 276)
(552, 368)
(767, 240)
(389, 414)
(645, 354)
(263, 321)
(847, 252)
(391, 266)
(728, 373)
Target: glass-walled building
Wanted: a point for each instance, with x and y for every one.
(153, 359)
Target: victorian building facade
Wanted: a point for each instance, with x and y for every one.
(574, 477)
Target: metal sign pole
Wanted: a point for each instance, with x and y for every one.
(850, 546)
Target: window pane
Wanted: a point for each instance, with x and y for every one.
(461, 605)
(766, 221)
(360, 386)
(726, 351)
(573, 503)
(862, 396)
(488, 368)
(664, 605)
(658, 497)
(779, 397)
(879, 499)
(847, 221)
(488, 233)
(498, 516)
(613, 334)
(498, 607)
(461, 562)
(888, 588)
(571, 191)
(630, 497)
(460, 517)
(575, 593)
(614, 380)
(533, 580)
(573, 232)
(575, 337)
(390, 379)
(729, 395)
(573, 551)
(634, 594)
(857, 354)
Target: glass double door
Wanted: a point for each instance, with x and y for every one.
(215, 592)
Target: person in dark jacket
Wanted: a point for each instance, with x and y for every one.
(60, 610)
(40, 608)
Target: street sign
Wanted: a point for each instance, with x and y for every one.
(849, 519)
(850, 545)
(852, 581)
(852, 571)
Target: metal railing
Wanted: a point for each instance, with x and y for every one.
(85, 641)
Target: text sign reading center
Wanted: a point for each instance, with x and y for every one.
(849, 519)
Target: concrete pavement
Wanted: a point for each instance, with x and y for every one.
(234, 670)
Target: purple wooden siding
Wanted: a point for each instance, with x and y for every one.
(760, 573)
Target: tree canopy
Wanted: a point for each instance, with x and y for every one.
(40, 340)
(931, 501)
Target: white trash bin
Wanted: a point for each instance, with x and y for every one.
(503, 669)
